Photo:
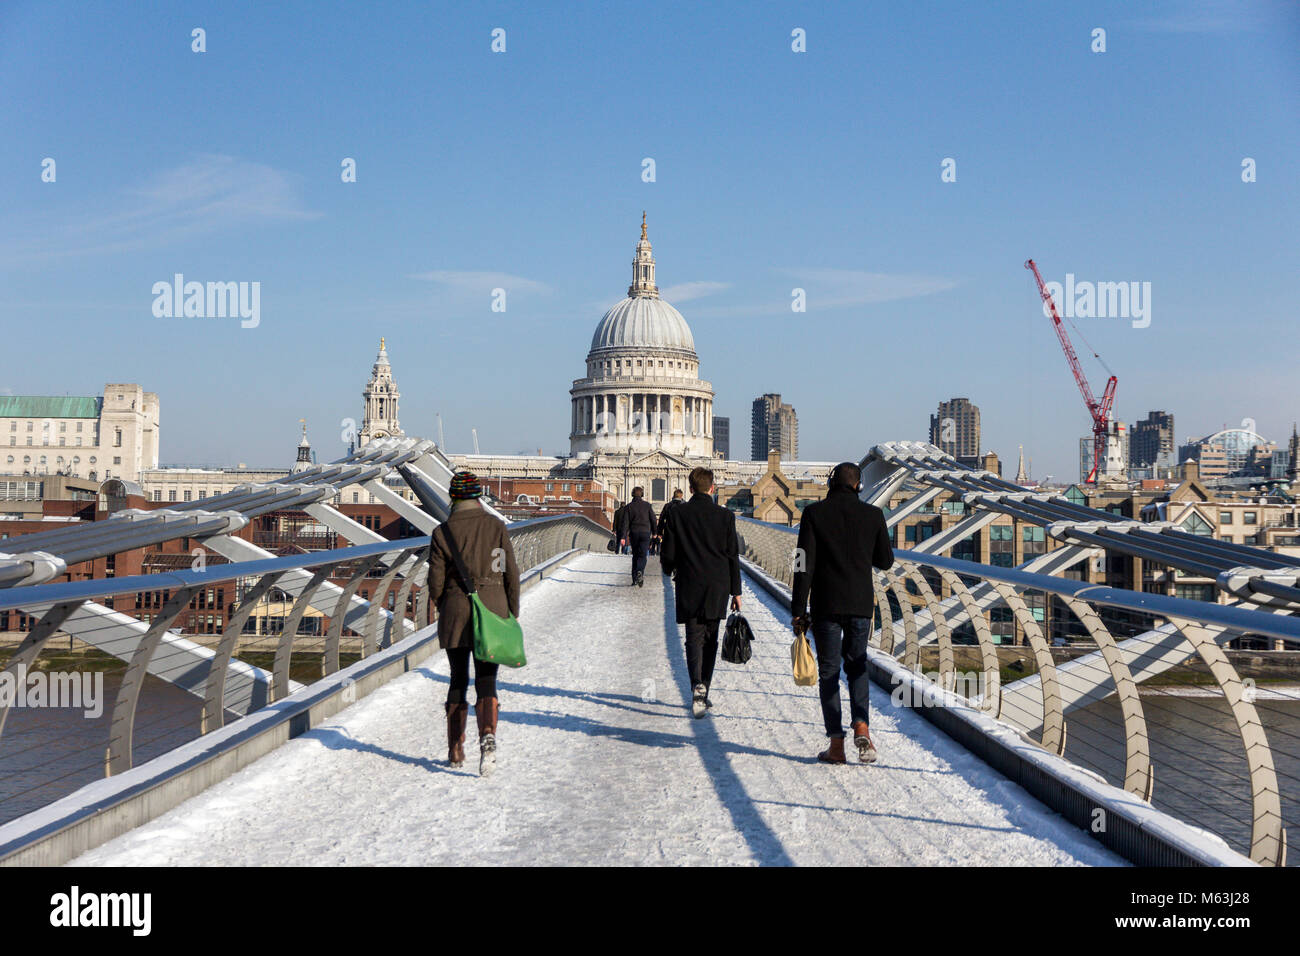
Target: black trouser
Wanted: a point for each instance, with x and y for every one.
(842, 640)
(701, 650)
(640, 547)
(485, 676)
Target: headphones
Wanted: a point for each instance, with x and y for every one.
(835, 473)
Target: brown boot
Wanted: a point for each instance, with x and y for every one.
(457, 718)
(862, 739)
(486, 709)
(834, 753)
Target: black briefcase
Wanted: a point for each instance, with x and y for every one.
(736, 640)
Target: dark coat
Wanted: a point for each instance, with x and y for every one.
(638, 516)
(478, 534)
(700, 546)
(842, 538)
(663, 515)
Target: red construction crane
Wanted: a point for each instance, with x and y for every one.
(1100, 411)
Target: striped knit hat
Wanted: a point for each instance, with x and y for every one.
(464, 484)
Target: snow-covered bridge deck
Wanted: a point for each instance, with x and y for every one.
(600, 762)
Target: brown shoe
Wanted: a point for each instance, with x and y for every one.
(457, 718)
(862, 739)
(834, 753)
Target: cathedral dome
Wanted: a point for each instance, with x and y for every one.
(643, 322)
(642, 394)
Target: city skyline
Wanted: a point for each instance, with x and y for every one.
(914, 286)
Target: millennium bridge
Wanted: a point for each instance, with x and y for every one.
(323, 742)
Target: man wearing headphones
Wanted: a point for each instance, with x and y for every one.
(841, 538)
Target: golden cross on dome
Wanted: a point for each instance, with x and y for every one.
(381, 343)
(643, 235)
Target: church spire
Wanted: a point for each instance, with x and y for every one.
(380, 396)
(1021, 477)
(643, 268)
(304, 450)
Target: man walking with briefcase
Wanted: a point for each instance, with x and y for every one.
(700, 545)
(841, 538)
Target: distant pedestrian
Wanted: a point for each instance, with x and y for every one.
(489, 559)
(702, 552)
(841, 538)
(638, 526)
(663, 515)
(617, 525)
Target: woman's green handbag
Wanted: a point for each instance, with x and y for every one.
(499, 640)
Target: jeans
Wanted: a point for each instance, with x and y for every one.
(701, 650)
(485, 676)
(842, 640)
(640, 541)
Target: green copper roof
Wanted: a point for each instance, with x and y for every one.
(49, 406)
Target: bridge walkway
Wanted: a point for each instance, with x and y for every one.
(600, 763)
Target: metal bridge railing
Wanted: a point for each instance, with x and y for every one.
(168, 689)
(1230, 762)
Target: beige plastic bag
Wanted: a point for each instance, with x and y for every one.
(805, 663)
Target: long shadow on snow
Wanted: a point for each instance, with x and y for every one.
(648, 738)
(338, 739)
(1013, 803)
(585, 725)
(880, 814)
(763, 842)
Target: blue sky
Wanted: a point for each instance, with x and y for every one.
(774, 170)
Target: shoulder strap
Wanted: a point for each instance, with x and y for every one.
(462, 572)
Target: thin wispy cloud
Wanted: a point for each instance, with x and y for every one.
(481, 282)
(839, 287)
(686, 291)
(211, 194)
(835, 289)
(1212, 16)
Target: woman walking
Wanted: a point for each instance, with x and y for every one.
(489, 559)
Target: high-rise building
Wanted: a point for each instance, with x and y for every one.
(722, 436)
(1293, 462)
(1151, 442)
(956, 429)
(774, 426)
